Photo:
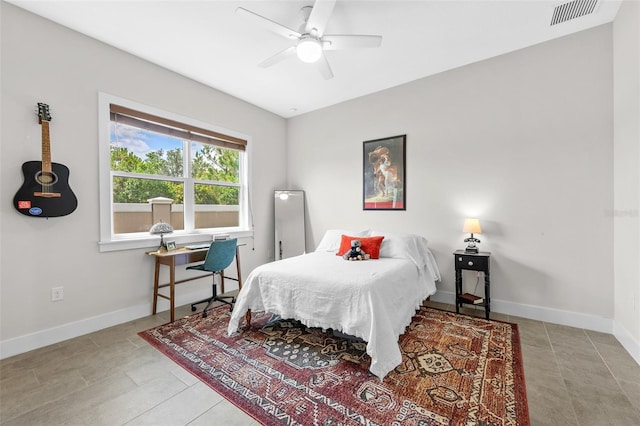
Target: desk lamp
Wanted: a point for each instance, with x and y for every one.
(161, 228)
(472, 226)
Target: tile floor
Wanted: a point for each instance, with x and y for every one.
(113, 377)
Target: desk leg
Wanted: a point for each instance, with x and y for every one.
(155, 286)
(238, 268)
(172, 288)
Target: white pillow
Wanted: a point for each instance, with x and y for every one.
(397, 244)
(409, 246)
(331, 240)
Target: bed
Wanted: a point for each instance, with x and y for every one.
(373, 299)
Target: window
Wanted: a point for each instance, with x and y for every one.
(156, 166)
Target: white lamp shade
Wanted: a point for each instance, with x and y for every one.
(472, 226)
(161, 228)
(309, 50)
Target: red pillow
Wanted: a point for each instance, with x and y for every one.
(370, 245)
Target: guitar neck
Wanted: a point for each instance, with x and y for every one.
(46, 148)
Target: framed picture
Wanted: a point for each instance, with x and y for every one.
(383, 170)
(171, 245)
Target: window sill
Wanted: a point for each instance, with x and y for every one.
(152, 243)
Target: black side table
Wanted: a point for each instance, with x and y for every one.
(473, 262)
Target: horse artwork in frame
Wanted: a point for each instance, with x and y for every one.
(384, 171)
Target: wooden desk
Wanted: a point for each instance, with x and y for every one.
(181, 256)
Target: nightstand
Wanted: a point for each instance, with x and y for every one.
(473, 262)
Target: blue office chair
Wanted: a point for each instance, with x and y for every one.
(219, 257)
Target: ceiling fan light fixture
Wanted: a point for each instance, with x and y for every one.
(309, 50)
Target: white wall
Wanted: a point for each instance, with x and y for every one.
(626, 213)
(523, 141)
(42, 61)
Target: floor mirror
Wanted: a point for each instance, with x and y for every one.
(289, 224)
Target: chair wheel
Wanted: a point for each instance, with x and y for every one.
(193, 308)
(205, 314)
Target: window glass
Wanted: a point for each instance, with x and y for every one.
(216, 193)
(216, 205)
(133, 213)
(214, 163)
(140, 151)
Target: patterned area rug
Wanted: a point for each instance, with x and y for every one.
(456, 370)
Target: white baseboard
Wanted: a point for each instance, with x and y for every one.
(49, 336)
(18, 345)
(625, 338)
(556, 316)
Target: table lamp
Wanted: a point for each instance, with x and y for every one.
(161, 228)
(472, 226)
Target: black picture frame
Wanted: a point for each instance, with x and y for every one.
(384, 173)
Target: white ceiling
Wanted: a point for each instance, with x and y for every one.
(208, 42)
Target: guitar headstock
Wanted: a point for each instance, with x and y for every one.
(43, 113)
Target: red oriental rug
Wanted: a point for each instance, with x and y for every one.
(456, 370)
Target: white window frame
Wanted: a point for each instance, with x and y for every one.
(113, 242)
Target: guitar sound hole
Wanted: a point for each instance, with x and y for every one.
(46, 178)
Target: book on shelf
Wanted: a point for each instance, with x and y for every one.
(471, 298)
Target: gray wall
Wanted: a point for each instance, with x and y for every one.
(522, 141)
(42, 61)
(626, 213)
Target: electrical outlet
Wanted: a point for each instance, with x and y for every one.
(57, 293)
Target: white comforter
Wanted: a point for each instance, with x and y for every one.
(374, 299)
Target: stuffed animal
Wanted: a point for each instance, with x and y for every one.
(356, 252)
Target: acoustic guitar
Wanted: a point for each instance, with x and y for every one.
(45, 191)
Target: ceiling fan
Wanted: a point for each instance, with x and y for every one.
(310, 39)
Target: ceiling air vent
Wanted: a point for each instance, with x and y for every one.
(571, 10)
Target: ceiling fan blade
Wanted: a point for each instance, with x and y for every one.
(335, 42)
(324, 67)
(268, 24)
(278, 57)
(319, 16)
